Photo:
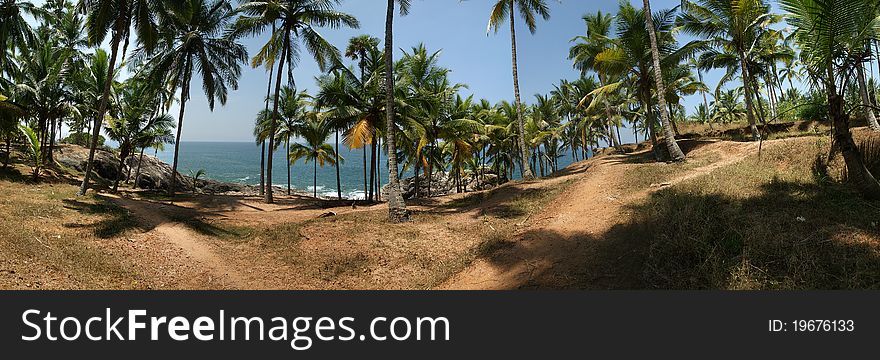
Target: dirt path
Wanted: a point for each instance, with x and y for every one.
(576, 242)
(195, 247)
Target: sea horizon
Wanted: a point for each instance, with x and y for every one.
(238, 162)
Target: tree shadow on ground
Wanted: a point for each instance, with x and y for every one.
(115, 220)
(786, 236)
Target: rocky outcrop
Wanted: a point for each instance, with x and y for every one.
(154, 174)
(442, 184)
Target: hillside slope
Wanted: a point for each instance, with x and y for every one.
(726, 219)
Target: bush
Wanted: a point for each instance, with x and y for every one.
(82, 139)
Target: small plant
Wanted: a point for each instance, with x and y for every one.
(196, 175)
(34, 148)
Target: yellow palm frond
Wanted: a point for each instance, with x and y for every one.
(360, 135)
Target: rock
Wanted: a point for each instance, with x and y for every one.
(442, 184)
(154, 174)
(106, 164)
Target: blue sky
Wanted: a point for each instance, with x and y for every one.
(456, 27)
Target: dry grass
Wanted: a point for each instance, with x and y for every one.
(51, 239)
(764, 223)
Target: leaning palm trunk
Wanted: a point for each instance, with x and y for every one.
(397, 211)
(675, 152)
(866, 102)
(857, 173)
(527, 173)
(184, 96)
(102, 109)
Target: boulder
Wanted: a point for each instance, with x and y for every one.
(442, 184)
(154, 174)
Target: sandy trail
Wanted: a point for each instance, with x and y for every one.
(572, 243)
(195, 246)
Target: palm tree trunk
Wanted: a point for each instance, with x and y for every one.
(674, 151)
(379, 169)
(263, 147)
(273, 125)
(119, 172)
(541, 161)
(397, 211)
(863, 91)
(857, 173)
(263, 168)
(750, 107)
(102, 109)
(184, 96)
(49, 151)
(137, 174)
(527, 173)
(366, 185)
(416, 169)
(315, 180)
(373, 168)
(287, 147)
(338, 177)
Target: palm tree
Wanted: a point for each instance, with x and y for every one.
(34, 149)
(297, 22)
(194, 43)
(339, 92)
(731, 28)
(136, 121)
(359, 48)
(585, 51)
(117, 17)
(675, 152)
(504, 10)
(397, 211)
(315, 133)
(156, 138)
(15, 33)
(293, 111)
(832, 36)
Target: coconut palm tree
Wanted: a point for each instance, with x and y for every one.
(505, 10)
(155, 138)
(135, 121)
(32, 143)
(293, 111)
(194, 42)
(731, 28)
(15, 32)
(339, 93)
(314, 131)
(584, 53)
(675, 152)
(117, 17)
(362, 49)
(397, 211)
(832, 36)
(295, 23)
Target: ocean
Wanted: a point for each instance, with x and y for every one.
(239, 162)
